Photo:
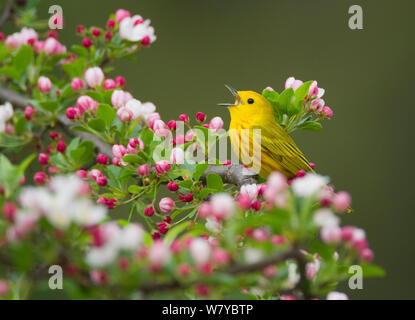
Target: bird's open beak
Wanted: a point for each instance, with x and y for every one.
(235, 94)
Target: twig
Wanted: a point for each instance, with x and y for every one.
(235, 174)
(6, 12)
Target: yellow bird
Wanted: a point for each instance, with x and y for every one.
(278, 150)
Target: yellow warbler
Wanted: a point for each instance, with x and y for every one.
(278, 151)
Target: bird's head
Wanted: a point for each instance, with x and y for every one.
(248, 105)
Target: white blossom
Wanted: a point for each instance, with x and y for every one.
(308, 185)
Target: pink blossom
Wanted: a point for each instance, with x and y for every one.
(184, 117)
(94, 174)
(172, 186)
(40, 178)
(53, 46)
(162, 166)
(118, 151)
(4, 287)
(44, 84)
(341, 201)
(43, 158)
(317, 105)
(327, 112)
(249, 190)
(82, 174)
(166, 205)
(260, 234)
(216, 124)
(143, 170)
(72, 113)
(330, 234)
(151, 118)
(86, 103)
(177, 156)
(77, 84)
(124, 114)
(270, 271)
(29, 112)
(109, 84)
(102, 159)
(160, 128)
(94, 77)
(205, 210)
(119, 98)
(291, 82)
(159, 254)
(121, 14)
(220, 256)
(366, 254)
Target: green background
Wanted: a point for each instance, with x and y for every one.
(368, 76)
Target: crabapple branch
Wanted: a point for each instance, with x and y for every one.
(235, 174)
(6, 12)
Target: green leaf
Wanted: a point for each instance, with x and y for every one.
(80, 50)
(94, 95)
(372, 271)
(51, 106)
(106, 113)
(96, 124)
(8, 141)
(302, 91)
(174, 232)
(284, 100)
(135, 189)
(83, 154)
(200, 169)
(214, 182)
(310, 125)
(23, 58)
(131, 158)
(10, 72)
(10, 175)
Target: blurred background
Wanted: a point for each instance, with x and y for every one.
(368, 76)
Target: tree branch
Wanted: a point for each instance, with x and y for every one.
(235, 174)
(6, 12)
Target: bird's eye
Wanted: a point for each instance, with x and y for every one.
(250, 101)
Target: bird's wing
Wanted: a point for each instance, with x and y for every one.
(277, 144)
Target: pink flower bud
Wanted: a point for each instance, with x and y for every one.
(96, 32)
(317, 105)
(94, 174)
(177, 156)
(72, 113)
(366, 254)
(145, 41)
(183, 269)
(53, 46)
(313, 90)
(143, 170)
(85, 103)
(205, 209)
(43, 158)
(216, 123)
(184, 117)
(110, 23)
(277, 240)
(29, 112)
(270, 271)
(102, 159)
(347, 233)
(86, 42)
(108, 35)
(190, 135)
(118, 150)
(4, 287)
(82, 174)
(162, 227)
(200, 116)
(244, 202)
(101, 181)
(9, 210)
(151, 118)
(327, 112)
(160, 128)
(188, 197)
(300, 174)
(331, 234)
(124, 114)
(172, 125)
(44, 84)
(149, 211)
(61, 146)
(220, 256)
(94, 77)
(341, 201)
(109, 84)
(120, 80)
(166, 205)
(40, 178)
(162, 166)
(291, 82)
(256, 205)
(121, 14)
(172, 186)
(260, 234)
(77, 84)
(80, 29)
(119, 98)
